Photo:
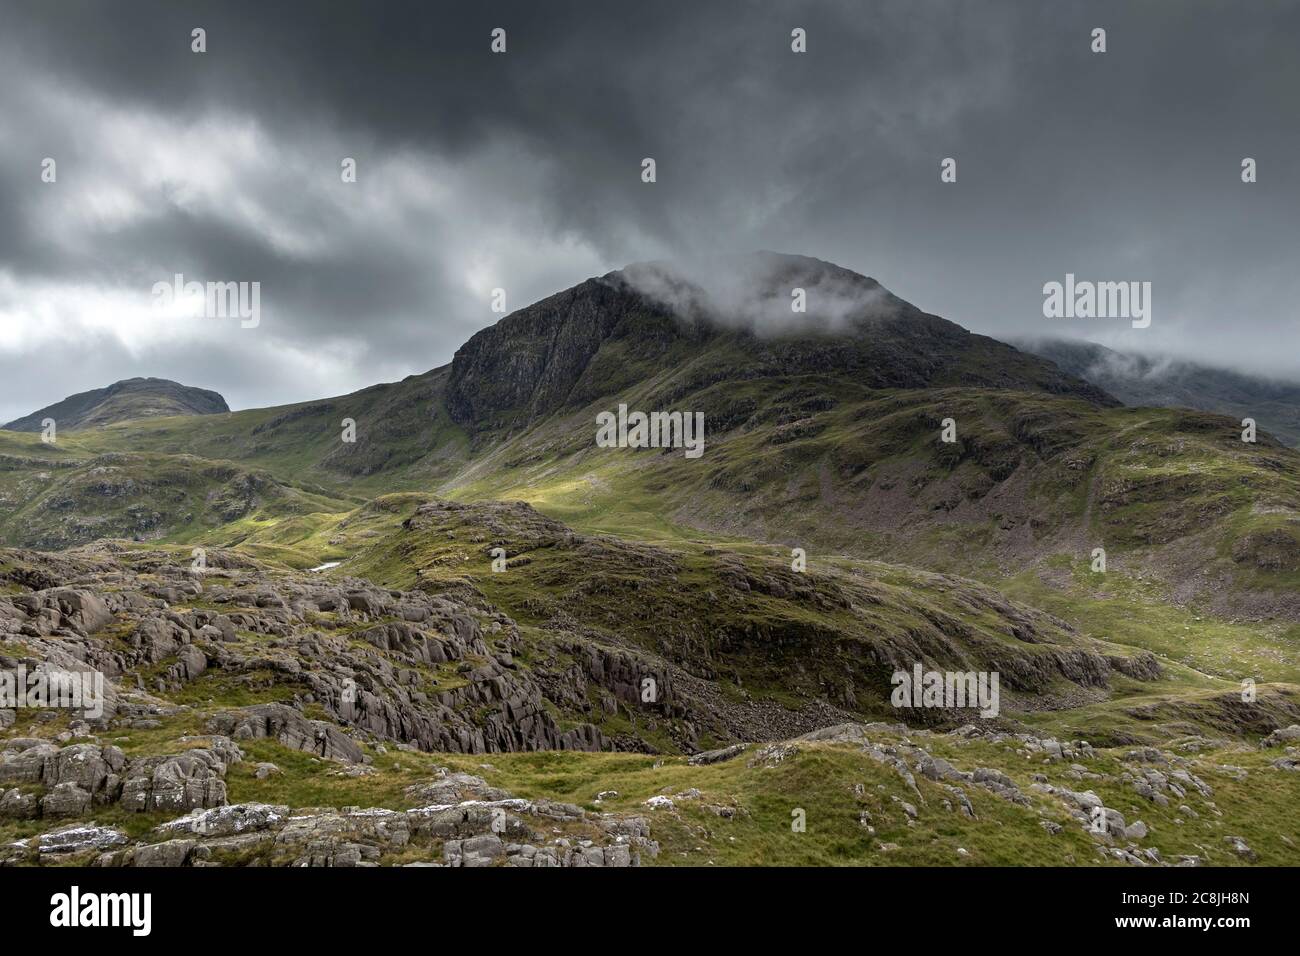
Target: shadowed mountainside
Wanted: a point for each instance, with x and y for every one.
(633, 326)
(1167, 383)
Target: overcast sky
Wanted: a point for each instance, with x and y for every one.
(522, 170)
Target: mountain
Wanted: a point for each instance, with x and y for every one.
(133, 398)
(824, 431)
(476, 574)
(649, 323)
(1167, 383)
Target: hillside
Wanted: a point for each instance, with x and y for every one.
(55, 496)
(128, 400)
(1166, 383)
(826, 435)
(473, 575)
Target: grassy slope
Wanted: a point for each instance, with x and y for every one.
(1179, 504)
(57, 496)
(1034, 484)
(404, 438)
(815, 461)
(678, 599)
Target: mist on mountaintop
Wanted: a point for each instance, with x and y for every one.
(760, 292)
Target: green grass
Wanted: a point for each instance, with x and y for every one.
(1120, 607)
(832, 784)
(687, 561)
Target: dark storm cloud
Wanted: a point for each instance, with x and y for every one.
(522, 170)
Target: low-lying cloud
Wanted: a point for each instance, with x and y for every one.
(766, 293)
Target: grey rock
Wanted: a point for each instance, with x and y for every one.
(1136, 831)
(1241, 848)
(482, 850)
(1281, 736)
(170, 854)
(716, 756)
(179, 781)
(80, 837)
(229, 820)
(65, 800)
(283, 723)
(16, 805)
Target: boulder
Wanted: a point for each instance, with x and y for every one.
(183, 781)
(65, 800)
(172, 853)
(229, 820)
(1283, 735)
(16, 805)
(79, 838)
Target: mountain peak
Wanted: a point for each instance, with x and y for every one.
(767, 292)
(122, 401)
(688, 326)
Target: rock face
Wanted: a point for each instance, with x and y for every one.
(123, 401)
(290, 728)
(182, 781)
(559, 353)
(77, 777)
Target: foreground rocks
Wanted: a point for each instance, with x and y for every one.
(342, 673)
(79, 777)
(478, 826)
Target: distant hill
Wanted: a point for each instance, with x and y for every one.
(123, 401)
(1141, 380)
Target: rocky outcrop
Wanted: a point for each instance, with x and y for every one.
(1283, 735)
(78, 777)
(441, 676)
(77, 609)
(180, 781)
(286, 725)
(476, 826)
